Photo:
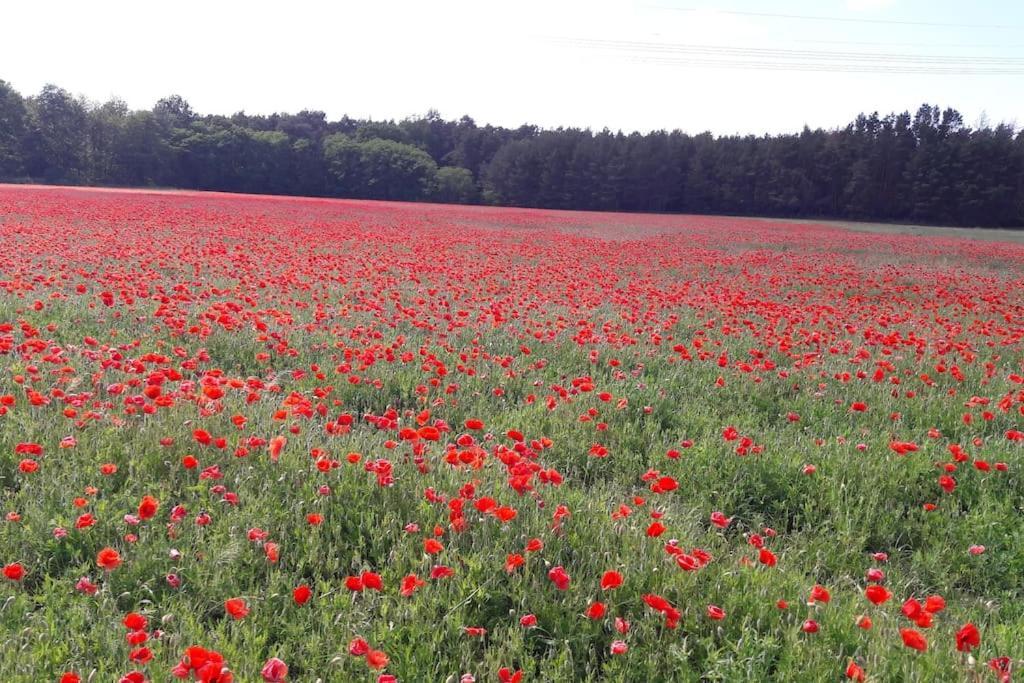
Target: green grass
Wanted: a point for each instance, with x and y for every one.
(826, 524)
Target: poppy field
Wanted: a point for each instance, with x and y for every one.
(278, 439)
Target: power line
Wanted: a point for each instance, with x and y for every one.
(782, 53)
(826, 68)
(876, 43)
(859, 20)
(723, 56)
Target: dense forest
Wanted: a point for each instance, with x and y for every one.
(926, 167)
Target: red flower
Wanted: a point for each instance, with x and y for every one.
(148, 507)
(611, 579)
(357, 647)
(559, 577)
(409, 585)
(513, 562)
(911, 609)
(967, 638)
(656, 529)
(302, 594)
(913, 639)
(505, 675)
(934, 604)
(372, 581)
(236, 608)
(877, 594)
(133, 621)
(441, 572)
(664, 485)
(715, 612)
(109, 559)
(141, 655)
(272, 552)
(274, 671)
(14, 571)
(376, 659)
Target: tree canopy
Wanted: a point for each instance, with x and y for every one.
(927, 167)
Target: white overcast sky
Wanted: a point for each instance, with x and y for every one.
(513, 62)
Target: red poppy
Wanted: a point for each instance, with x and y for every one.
(656, 529)
(767, 557)
(148, 507)
(934, 604)
(968, 638)
(14, 571)
(913, 639)
(877, 594)
(720, 520)
(506, 675)
(559, 577)
(302, 594)
(274, 671)
(358, 647)
(611, 579)
(376, 659)
(236, 608)
(409, 585)
(372, 580)
(133, 621)
(109, 559)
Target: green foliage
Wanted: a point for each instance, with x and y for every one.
(455, 185)
(12, 129)
(55, 143)
(379, 169)
(825, 524)
(926, 167)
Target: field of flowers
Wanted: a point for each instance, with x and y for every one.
(270, 439)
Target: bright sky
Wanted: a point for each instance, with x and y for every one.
(639, 65)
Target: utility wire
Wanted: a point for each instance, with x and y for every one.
(782, 53)
(859, 20)
(826, 68)
(799, 60)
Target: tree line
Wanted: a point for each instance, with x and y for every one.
(927, 167)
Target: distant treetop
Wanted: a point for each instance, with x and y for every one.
(927, 167)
